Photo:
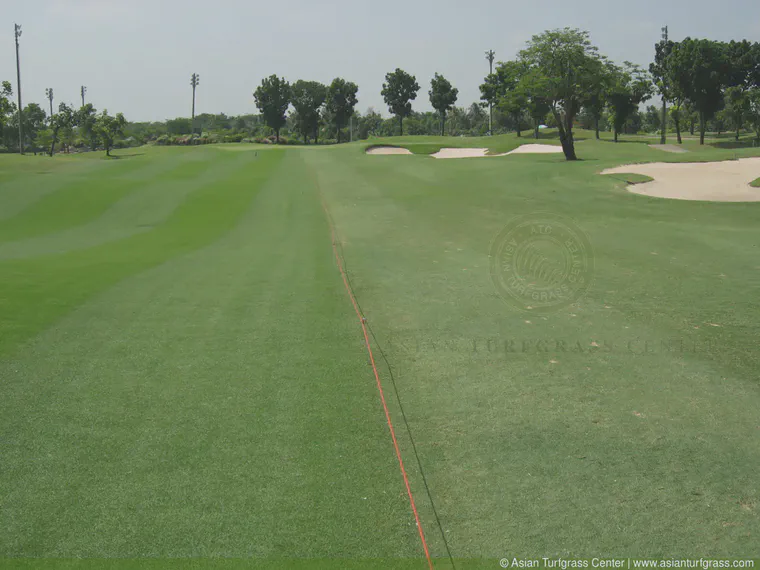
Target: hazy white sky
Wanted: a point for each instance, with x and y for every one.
(136, 56)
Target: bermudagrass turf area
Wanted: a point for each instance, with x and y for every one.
(183, 375)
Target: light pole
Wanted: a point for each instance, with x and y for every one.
(194, 81)
(490, 56)
(17, 29)
(664, 128)
(49, 95)
(83, 90)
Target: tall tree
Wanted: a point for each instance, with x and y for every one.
(273, 98)
(6, 105)
(753, 117)
(737, 107)
(700, 71)
(63, 119)
(341, 100)
(442, 97)
(86, 117)
(569, 67)
(500, 90)
(308, 98)
(630, 87)
(661, 74)
(108, 128)
(399, 90)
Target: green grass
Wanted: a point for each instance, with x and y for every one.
(183, 376)
(755, 183)
(631, 177)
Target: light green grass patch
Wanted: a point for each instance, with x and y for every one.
(755, 183)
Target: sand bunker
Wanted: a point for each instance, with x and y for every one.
(388, 150)
(477, 152)
(710, 181)
(537, 149)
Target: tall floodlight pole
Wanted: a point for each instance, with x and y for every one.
(489, 56)
(194, 81)
(49, 95)
(664, 87)
(83, 90)
(18, 85)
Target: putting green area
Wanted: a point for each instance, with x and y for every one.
(183, 374)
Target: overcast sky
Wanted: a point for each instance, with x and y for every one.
(136, 56)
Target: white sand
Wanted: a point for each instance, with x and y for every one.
(726, 181)
(388, 150)
(478, 152)
(460, 153)
(537, 149)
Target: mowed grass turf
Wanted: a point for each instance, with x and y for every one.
(193, 382)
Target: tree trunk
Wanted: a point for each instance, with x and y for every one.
(566, 136)
(401, 125)
(52, 146)
(664, 128)
(691, 129)
(596, 127)
(737, 134)
(702, 127)
(615, 131)
(535, 130)
(677, 122)
(443, 124)
(277, 135)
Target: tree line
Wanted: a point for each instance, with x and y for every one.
(561, 74)
(560, 79)
(83, 127)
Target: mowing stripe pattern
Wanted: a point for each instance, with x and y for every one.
(362, 322)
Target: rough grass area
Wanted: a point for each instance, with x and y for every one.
(755, 183)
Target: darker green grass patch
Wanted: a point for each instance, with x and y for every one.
(755, 183)
(631, 177)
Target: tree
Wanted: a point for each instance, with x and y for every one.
(62, 120)
(569, 67)
(753, 118)
(34, 121)
(699, 70)
(273, 98)
(500, 90)
(308, 98)
(86, 117)
(737, 107)
(630, 87)
(442, 97)
(652, 119)
(370, 124)
(661, 75)
(399, 90)
(531, 89)
(108, 128)
(341, 100)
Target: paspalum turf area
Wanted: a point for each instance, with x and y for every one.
(183, 375)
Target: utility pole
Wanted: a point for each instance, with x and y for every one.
(194, 81)
(664, 127)
(18, 77)
(83, 90)
(49, 95)
(489, 56)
